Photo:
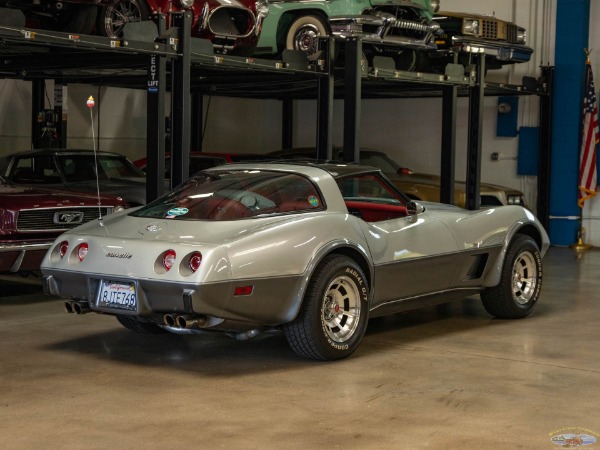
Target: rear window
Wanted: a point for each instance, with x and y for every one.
(236, 194)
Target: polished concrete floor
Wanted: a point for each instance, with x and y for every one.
(449, 377)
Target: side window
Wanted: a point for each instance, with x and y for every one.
(24, 163)
(39, 170)
(371, 199)
(22, 171)
(78, 168)
(296, 193)
(367, 188)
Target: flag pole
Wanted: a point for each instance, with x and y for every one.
(580, 246)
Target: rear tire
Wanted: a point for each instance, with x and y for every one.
(334, 314)
(140, 327)
(520, 281)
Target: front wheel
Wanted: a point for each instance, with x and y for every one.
(520, 281)
(334, 313)
(117, 13)
(304, 33)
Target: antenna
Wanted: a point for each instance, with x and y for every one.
(90, 103)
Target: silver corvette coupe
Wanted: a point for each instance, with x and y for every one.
(314, 250)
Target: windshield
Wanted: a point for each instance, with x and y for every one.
(82, 167)
(235, 194)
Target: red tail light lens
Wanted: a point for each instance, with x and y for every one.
(195, 261)
(243, 290)
(63, 248)
(169, 259)
(82, 250)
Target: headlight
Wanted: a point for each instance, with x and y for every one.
(185, 4)
(435, 5)
(471, 26)
(262, 8)
(521, 36)
(516, 200)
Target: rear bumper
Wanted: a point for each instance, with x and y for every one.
(266, 305)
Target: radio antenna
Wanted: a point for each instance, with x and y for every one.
(90, 104)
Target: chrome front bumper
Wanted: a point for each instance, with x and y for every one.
(22, 256)
(343, 27)
(502, 51)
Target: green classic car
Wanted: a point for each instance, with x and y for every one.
(397, 28)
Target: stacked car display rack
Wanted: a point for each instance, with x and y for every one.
(162, 60)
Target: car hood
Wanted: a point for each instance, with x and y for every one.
(465, 14)
(23, 197)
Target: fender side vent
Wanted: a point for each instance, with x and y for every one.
(478, 266)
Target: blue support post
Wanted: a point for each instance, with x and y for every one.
(572, 36)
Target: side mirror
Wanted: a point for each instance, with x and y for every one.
(414, 209)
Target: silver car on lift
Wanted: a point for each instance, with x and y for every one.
(313, 250)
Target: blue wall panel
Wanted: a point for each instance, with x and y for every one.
(529, 145)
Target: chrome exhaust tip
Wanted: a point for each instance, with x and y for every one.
(81, 307)
(170, 320)
(191, 321)
(69, 307)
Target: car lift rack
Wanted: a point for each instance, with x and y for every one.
(158, 59)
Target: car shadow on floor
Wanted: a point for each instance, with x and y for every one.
(216, 354)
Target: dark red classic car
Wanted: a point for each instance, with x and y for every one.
(31, 218)
(231, 25)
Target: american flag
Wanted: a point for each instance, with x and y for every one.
(587, 157)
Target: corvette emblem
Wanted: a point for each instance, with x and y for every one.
(70, 217)
(153, 227)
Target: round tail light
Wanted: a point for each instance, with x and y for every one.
(82, 250)
(169, 259)
(195, 261)
(63, 248)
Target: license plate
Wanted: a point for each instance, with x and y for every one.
(116, 295)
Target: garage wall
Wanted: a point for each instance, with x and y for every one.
(15, 113)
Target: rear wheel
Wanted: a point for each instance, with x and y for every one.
(117, 13)
(520, 282)
(139, 326)
(334, 313)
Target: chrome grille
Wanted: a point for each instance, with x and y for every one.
(489, 29)
(43, 219)
(511, 33)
